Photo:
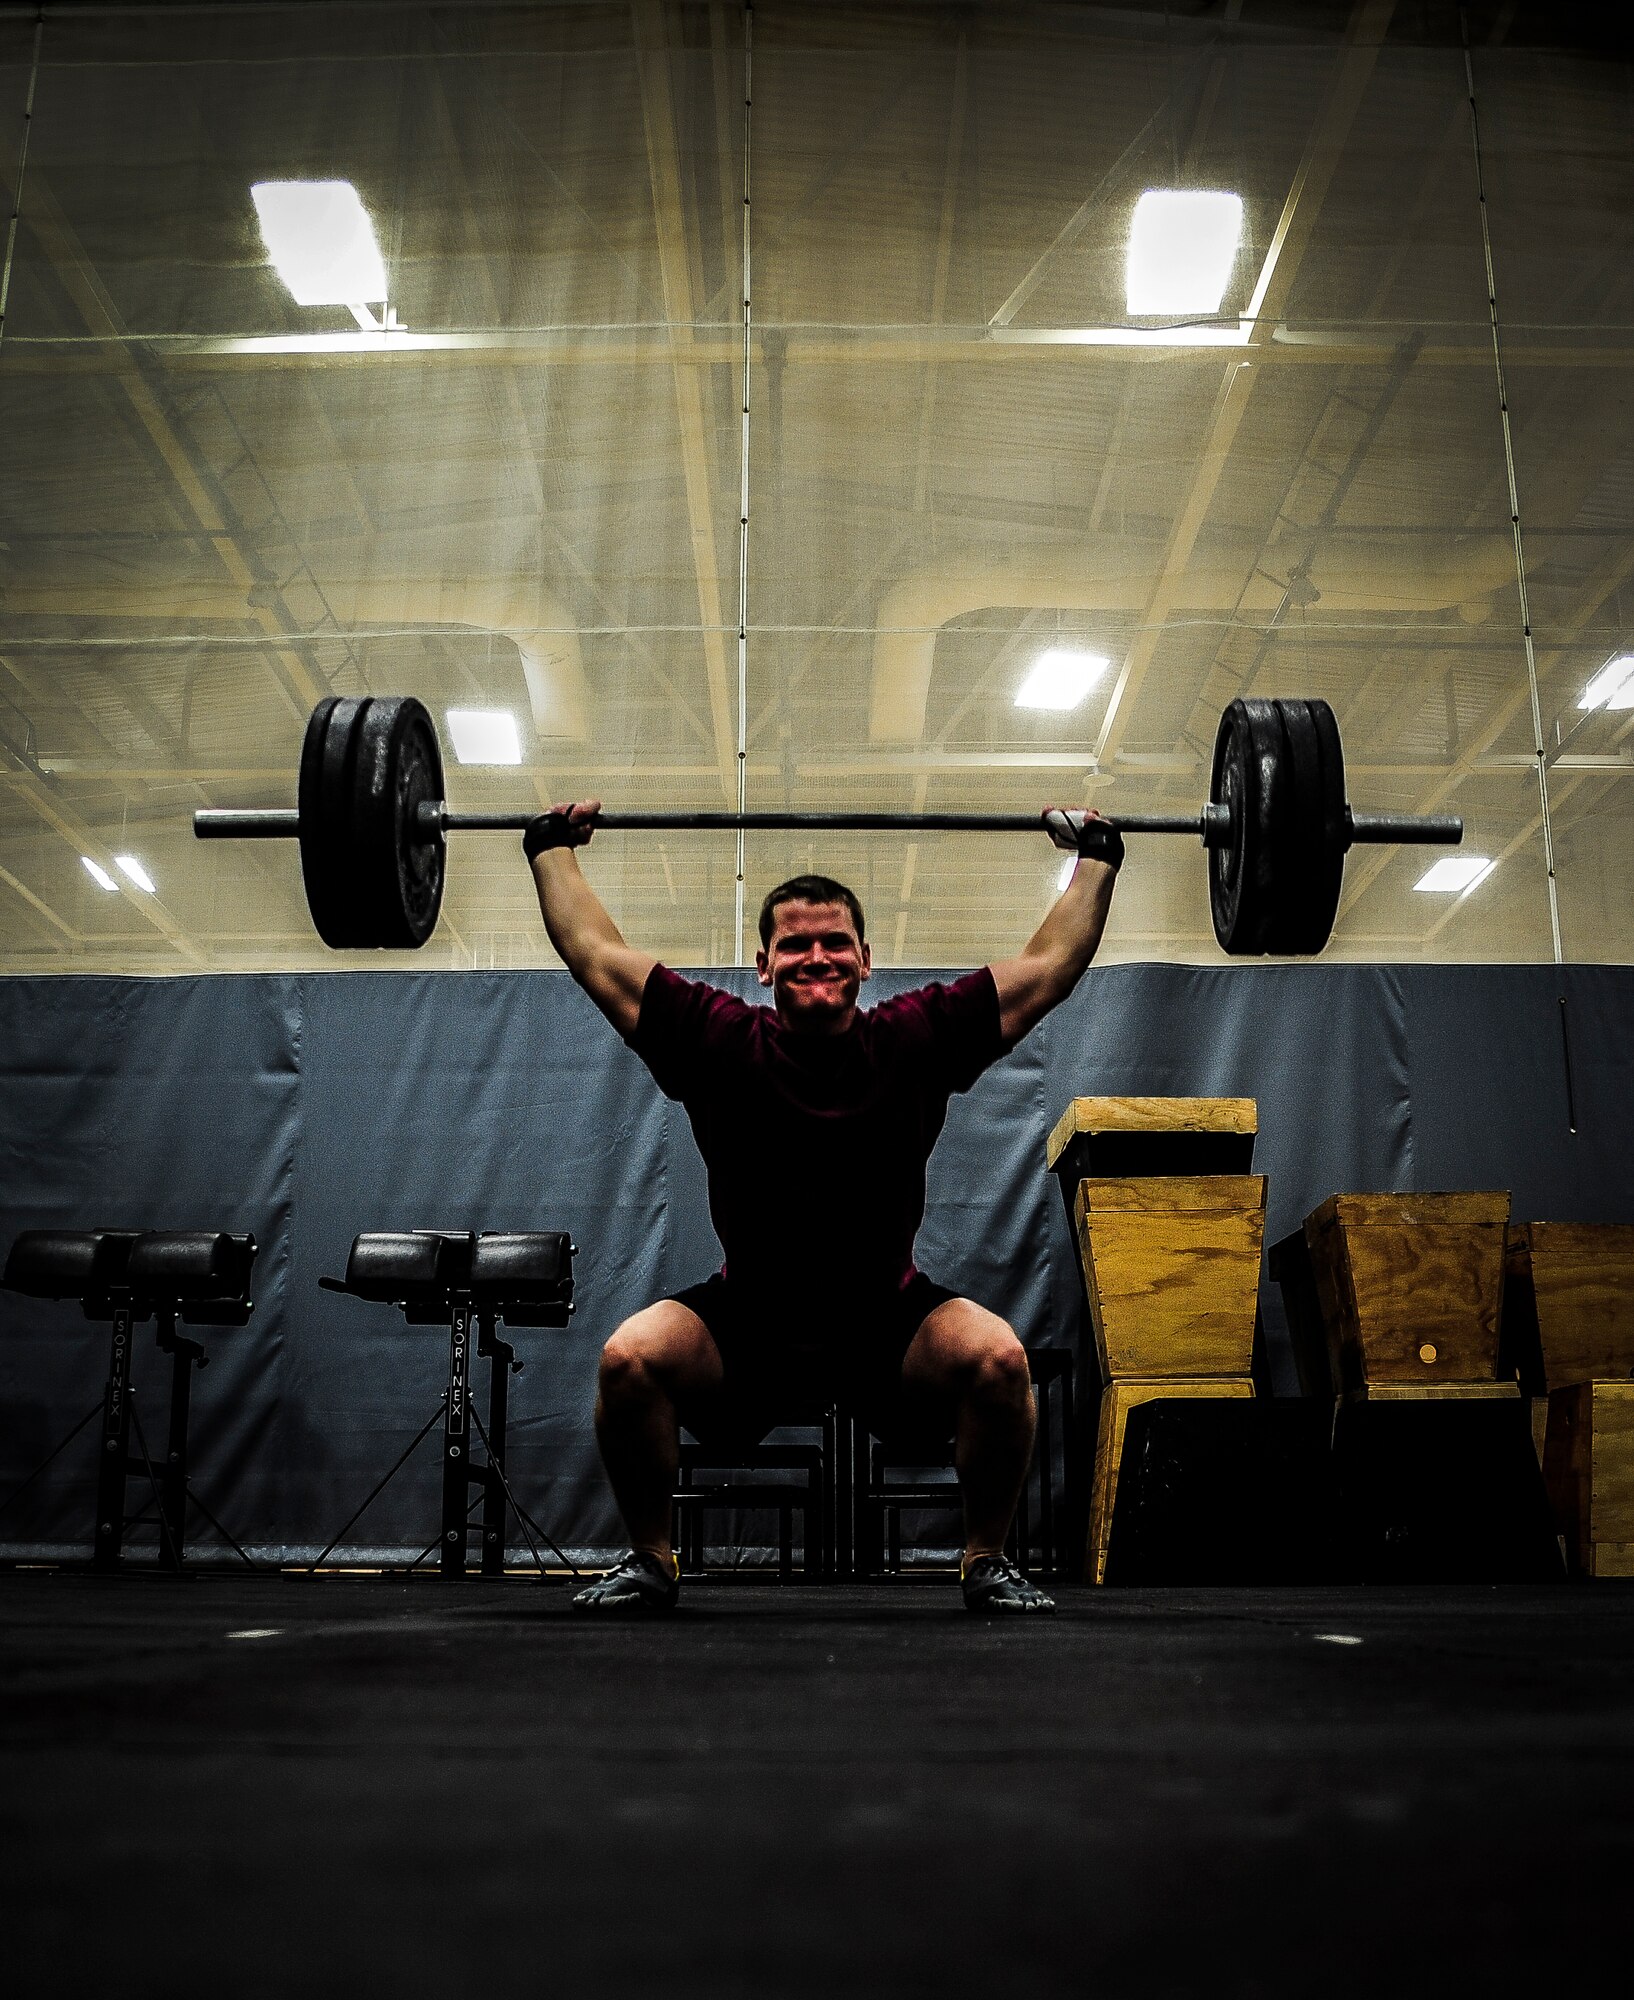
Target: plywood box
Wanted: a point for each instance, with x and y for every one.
(1103, 1137)
(1583, 1283)
(1588, 1467)
(1117, 1400)
(1413, 1285)
(1171, 1272)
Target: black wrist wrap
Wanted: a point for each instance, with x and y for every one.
(548, 829)
(1099, 840)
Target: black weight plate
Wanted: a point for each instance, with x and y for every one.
(315, 870)
(1225, 860)
(328, 848)
(421, 857)
(400, 868)
(1250, 781)
(1309, 849)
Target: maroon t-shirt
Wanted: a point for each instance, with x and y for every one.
(816, 1144)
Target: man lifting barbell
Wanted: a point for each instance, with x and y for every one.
(815, 1121)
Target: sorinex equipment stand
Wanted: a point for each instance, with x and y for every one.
(448, 1277)
(127, 1276)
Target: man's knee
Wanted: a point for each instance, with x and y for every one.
(967, 1351)
(1001, 1373)
(625, 1361)
(665, 1348)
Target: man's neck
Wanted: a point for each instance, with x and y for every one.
(827, 1030)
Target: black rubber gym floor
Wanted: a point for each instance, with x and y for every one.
(372, 1786)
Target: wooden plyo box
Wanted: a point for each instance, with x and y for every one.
(1588, 1467)
(1582, 1282)
(1105, 1138)
(1112, 1423)
(1411, 1290)
(1168, 1224)
(1171, 1271)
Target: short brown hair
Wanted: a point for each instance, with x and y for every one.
(809, 889)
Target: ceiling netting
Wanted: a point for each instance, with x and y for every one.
(217, 505)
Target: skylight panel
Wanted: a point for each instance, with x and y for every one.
(1060, 678)
(484, 736)
(1454, 873)
(321, 241)
(1182, 245)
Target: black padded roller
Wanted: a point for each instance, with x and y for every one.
(192, 1264)
(69, 1263)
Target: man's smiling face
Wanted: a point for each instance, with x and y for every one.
(814, 962)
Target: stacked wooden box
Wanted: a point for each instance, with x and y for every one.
(1582, 1279)
(1168, 1225)
(1411, 1292)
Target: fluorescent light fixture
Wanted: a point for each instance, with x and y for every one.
(133, 871)
(1067, 866)
(1612, 686)
(484, 736)
(1181, 249)
(1455, 873)
(321, 241)
(98, 874)
(1060, 678)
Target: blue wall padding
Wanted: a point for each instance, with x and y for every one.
(309, 1107)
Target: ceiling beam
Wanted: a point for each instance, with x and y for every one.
(1282, 344)
(62, 818)
(1616, 571)
(943, 261)
(73, 269)
(652, 49)
(1273, 288)
(40, 907)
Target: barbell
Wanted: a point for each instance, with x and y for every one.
(373, 824)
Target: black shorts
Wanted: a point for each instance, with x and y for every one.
(775, 1376)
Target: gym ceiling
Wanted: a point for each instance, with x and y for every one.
(218, 505)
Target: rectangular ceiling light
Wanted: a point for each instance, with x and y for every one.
(1181, 250)
(1612, 686)
(321, 241)
(484, 736)
(1065, 875)
(98, 874)
(1455, 873)
(133, 871)
(1060, 678)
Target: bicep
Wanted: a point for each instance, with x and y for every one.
(615, 976)
(1026, 987)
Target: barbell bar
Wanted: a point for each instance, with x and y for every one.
(1212, 825)
(372, 824)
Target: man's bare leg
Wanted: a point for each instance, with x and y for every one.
(656, 1360)
(966, 1359)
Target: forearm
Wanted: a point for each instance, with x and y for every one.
(1068, 938)
(1057, 954)
(576, 920)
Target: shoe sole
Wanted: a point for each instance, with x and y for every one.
(624, 1607)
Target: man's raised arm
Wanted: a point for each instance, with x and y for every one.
(1055, 957)
(592, 948)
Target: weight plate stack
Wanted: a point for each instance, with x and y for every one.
(1309, 866)
(399, 866)
(328, 765)
(1249, 780)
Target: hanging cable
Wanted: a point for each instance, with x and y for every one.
(22, 168)
(743, 490)
(1514, 505)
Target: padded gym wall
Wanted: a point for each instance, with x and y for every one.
(307, 1108)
